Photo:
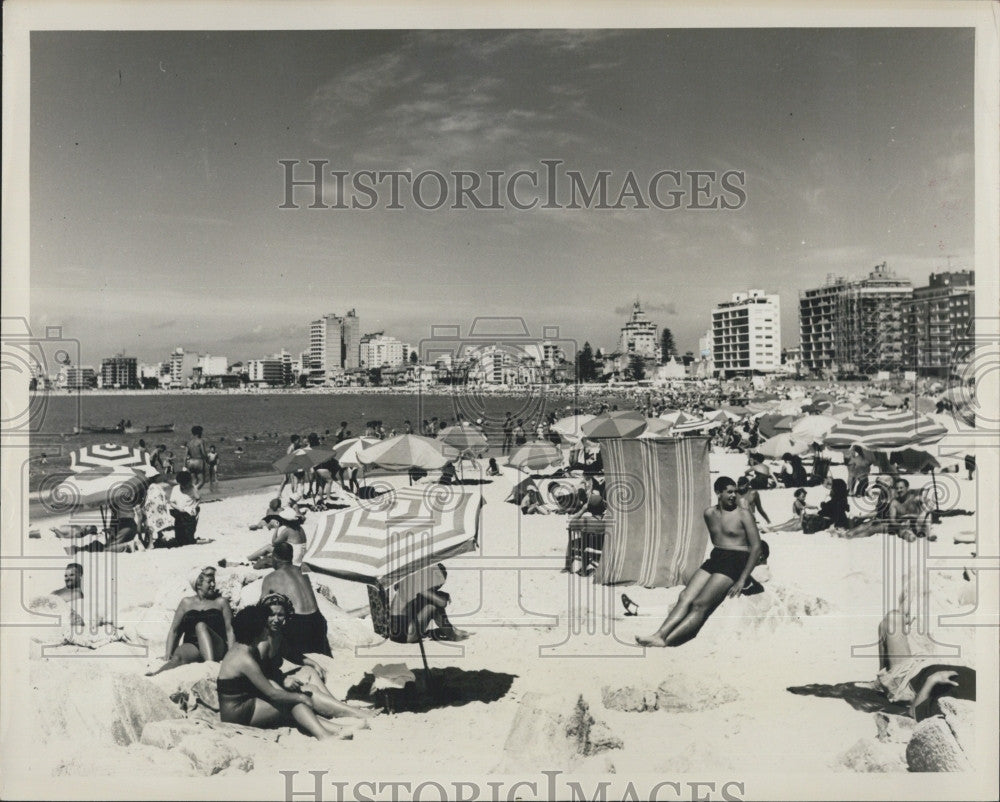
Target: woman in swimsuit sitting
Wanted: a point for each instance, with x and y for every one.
(248, 697)
(202, 629)
(307, 677)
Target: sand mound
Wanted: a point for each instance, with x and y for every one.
(678, 695)
(552, 731)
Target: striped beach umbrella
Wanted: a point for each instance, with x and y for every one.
(535, 456)
(623, 423)
(107, 456)
(393, 535)
(694, 425)
(407, 451)
(886, 430)
(657, 428)
(121, 489)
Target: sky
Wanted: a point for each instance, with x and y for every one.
(156, 179)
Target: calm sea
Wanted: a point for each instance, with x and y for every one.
(260, 424)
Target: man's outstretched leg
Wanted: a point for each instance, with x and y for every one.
(679, 611)
(702, 607)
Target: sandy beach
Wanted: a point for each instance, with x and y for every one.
(775, 683)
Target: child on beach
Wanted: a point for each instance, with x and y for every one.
(799, 508)
(212, 466)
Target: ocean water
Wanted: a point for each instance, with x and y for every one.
(261, 424)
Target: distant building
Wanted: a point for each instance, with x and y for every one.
(334, 347)
(183, 367)
(746, 335)
(120, 372)
(706, 364)
(639, 336)
(379, 351)
(854, 326)
(82, 377)
(939, 323)
(213, 365)
(268, 371)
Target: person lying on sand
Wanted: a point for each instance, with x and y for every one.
(203, 625)
(249, 698)
(736, 550)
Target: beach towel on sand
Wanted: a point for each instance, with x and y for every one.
(657, 492)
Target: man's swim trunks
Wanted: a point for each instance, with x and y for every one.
(726, 561)
(305, 634)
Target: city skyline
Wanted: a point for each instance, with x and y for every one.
(156, 181)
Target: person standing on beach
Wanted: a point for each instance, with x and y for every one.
(341, 433)
(196, 456)
(736, 550)
(212, 468)
(519, 436)
(291, 478)
(508, 433)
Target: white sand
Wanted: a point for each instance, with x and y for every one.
(533, 622)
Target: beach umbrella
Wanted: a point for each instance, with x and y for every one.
(656, 428)
(110, 456)
(466, 438)
(624, 423)
(382, 540)
(718, 414)
(781, 444)
(885, 430)
(303, 459)
(813, 427)
(407, 451)
(346, 451)
(673, 416)
(570, 427)
(695, 424)
(120, 489)
(767, 425)
(535, 456)
(735, 413)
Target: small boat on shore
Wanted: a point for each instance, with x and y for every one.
(163, 428)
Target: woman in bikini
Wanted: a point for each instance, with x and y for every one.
(202, 629)
(248, 697)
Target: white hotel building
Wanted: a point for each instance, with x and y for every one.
(746, 335)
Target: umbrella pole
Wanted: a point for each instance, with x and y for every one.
(936, 517)
(427, 668)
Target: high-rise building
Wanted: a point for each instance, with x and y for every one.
(120, 372)
(639, 335)
(213, 365)
(334, 346)
(939, 323)
(351, 341)
(267, 371)
(854, 326)
(325, 349)
(746, 334)
(182, 367)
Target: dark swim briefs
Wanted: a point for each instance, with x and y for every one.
(726, 561)
(305, 634)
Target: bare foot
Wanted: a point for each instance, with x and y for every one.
(650, 640)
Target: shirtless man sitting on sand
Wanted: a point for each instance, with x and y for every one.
(908, 515)
(737, 547)
(72, 591)
(305, 630)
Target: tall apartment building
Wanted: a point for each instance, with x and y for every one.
(182, 367)
(746, 335)
(639, 335)
(120, 372)
(854, 326)
(334, 346)
(939, 323)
